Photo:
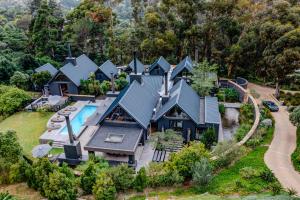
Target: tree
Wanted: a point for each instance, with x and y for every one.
(140, 180)
(20, 80)
(202, 172)
(40, 79)
(59, 186)
(203, 77)
(122, 176)
(295, 116)
(187, 157)
(7, 69)
(104, 189)
(88, 178)
(209, 138)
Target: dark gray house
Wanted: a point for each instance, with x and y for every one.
(184, 111)
(48, 68)
(67, 79)
(159, 67)
(139, 67)
(125, 124)
(106, 71)
(182, 70)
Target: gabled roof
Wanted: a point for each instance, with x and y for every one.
(138, 100)
(161, 62)
(139, 66)
(107, 68)
(84, 66)
(183, 96)
(212, 114)
(47, 67)
(186, 63)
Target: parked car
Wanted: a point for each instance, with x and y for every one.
(271, 106)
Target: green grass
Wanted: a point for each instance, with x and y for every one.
(296, 154)
(56, 151)
(29, 126)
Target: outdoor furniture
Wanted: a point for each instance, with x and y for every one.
(41, 150)
(58, 118)
(71, 108)
(53, 126)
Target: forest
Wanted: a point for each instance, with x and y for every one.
(259, 40)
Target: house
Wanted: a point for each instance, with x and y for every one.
(184, 111)
(182, 70)
(159, 67)
(47, 67)
(124, 127)
(106, 71)
(139, 67)
(67, 79)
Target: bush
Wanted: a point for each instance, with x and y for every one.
(12, 100)
(140, 180)
(184, 160)
(228, 95)
(6, 196)
(20, 80)
(40, 79)
(295, 116)
(209, 138)
(104, 87)
(202, 172)
(227, 153)
(59, 186)
(222, 109)
(122, 176)
(248, 172)
(276, 188)
(160, 175)
(246, 113)
(267, 175)
(88, 178)
(121, 83)
(242, 131)
(17, 172)
(104, 189)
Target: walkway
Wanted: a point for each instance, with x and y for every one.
(278, 156)
(232, 105)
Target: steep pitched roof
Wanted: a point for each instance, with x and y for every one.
(184, 97)
(212, 114)
(138, 100)
(107, 68)
(47, 67)
(84, 66)
(161, 62)
(139, 65)
(186, 63)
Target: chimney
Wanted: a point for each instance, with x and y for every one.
(134, 61)
(70, 58)
(135, 76)
(112, 82)
(166, 83)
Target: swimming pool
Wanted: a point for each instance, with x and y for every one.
(78, 121)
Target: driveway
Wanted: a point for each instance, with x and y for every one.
(278, 156)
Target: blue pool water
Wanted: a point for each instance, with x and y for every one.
(79, 120)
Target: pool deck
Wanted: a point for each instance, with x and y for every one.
(56, 136)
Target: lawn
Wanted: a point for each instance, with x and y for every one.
(29, 126)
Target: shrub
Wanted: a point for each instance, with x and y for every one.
(59, 186)
(160, 175)
(88, 178)
(246, 113)
(122, 176)
(6, 196)
(209, 138)
(17, 171)
(295, 116)
(40, 79)
(267, 175)
(227, 153)
(276, 188)
(12, 100)
(202, 172)
(20, 80)
(292, 191)
(239, 184)
(248, 172)
(222, 109)
(121, 83)
(140, 180)
(90, 86)
(104, 87)
(104, 189)
(184, 160)
(242, 131)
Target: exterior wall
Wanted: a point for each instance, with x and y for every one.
(54, 88)
(100, 76)
(157, 71)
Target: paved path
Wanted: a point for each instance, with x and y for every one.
(278, 156)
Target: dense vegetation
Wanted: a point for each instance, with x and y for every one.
(266, 33)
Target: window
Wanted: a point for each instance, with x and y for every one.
(115, 138)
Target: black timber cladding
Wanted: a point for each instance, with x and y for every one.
(130, 141)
